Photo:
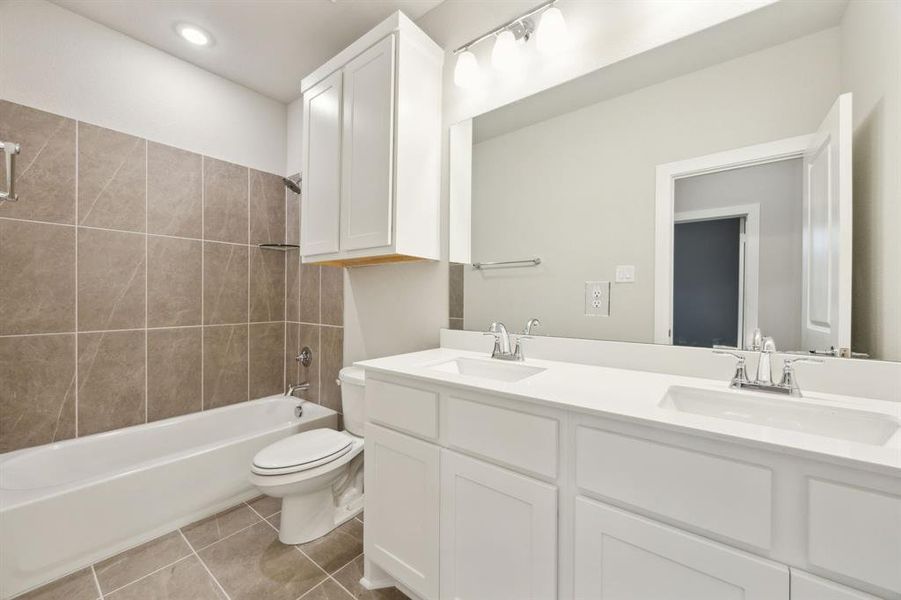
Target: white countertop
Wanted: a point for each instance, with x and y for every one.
(634, 396)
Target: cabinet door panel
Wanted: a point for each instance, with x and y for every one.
(321, 185)
(807, 587)
(621, 556)
(401, 482)
(498, 533)
(368, 148)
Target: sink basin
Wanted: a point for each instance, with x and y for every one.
(487, 369)
(784, 413)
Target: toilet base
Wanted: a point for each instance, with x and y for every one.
(311, 516)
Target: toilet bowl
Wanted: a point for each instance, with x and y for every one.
(318, 474)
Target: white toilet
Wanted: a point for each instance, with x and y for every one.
(318, 474)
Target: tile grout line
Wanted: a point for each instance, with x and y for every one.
(202, 278)
(97, 581)
(146, 575)
(77, 124)
(285, 303)
(247, 191)
(203, 564)
(146, 277)
(131, 329)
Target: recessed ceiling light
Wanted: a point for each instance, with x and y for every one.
(193, 34)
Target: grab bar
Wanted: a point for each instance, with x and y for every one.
(503, 264)
(10, 150)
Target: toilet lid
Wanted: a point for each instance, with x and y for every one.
(302, 451)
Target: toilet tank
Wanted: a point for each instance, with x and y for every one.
(353, 381)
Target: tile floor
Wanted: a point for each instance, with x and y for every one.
(234, 555)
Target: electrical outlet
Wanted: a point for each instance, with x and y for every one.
(597, 298)
(625, 274)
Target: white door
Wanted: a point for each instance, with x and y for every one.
(826, 233)
(621, 556)
(368, 153)
(401, 529)
(498, 533)
(321, 185)
(805, 586)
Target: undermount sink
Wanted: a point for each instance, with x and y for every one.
(783, 413)
(486, 369)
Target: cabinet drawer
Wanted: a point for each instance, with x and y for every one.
(855, 532)
(621, 556)
(716, 494)
(520, 440)
(402, 407)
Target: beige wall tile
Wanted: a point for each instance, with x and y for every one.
(111, 280)
(173, 372)
(225, 201)
(292, 285)
(174, 191)
(37, 390)
(309, 294)
(267, 285)
(112, 179)
(225, 281)
(174, 282)
(332, 350)
(332, 295)
(45, 170)
(292, 349)
(37, 278)
(455, 293)
(292, 218)
(308, 335)
(267, 352)
(267, 208)
(110, 380)
(224, 365)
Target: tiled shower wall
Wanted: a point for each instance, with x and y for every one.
(131, 285)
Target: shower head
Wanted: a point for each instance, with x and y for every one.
(292, 183)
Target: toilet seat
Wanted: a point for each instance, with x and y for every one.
(302, 452)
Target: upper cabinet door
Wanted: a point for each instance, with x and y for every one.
(368, 154)
(620, 556)
(321, 184)
(826, 233)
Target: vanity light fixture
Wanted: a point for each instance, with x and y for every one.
(193, 34)
(505, 56)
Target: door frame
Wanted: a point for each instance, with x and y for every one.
(667, 175)
(749, 256)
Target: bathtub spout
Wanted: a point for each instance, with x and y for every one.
(297, 387)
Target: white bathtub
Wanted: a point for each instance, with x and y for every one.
(67, 505)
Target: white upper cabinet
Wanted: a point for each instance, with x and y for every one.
(371, 144)
(321, 184)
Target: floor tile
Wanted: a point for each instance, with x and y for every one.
(275, 520)
(266, 506)
(77, 586)
(253, 565)
(212, 529)
(337, 548)
(327, 590)
(133, 564)
(349, 577)
(184, 580)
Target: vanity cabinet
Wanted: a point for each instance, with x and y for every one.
(371, 147)
(621, 556)
(805, 586)
(498, 532)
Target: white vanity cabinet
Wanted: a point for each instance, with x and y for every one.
(474, 494)
(371, 146)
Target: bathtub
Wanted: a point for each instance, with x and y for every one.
(66, 505)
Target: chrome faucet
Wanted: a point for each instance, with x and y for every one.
(763, 381)
(502, 341)
(297, 387)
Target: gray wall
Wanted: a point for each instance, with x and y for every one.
(776, 187)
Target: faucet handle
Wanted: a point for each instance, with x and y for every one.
(788, 373)
(740, 377)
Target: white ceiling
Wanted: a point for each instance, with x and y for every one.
(266, 45)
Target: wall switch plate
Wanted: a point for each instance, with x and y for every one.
(597, 298)
(625, 274)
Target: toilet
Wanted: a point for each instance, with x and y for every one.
(318, 474)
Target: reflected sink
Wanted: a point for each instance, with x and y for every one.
(783, 413)
(485, 369)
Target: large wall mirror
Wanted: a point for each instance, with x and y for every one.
(738, 180)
